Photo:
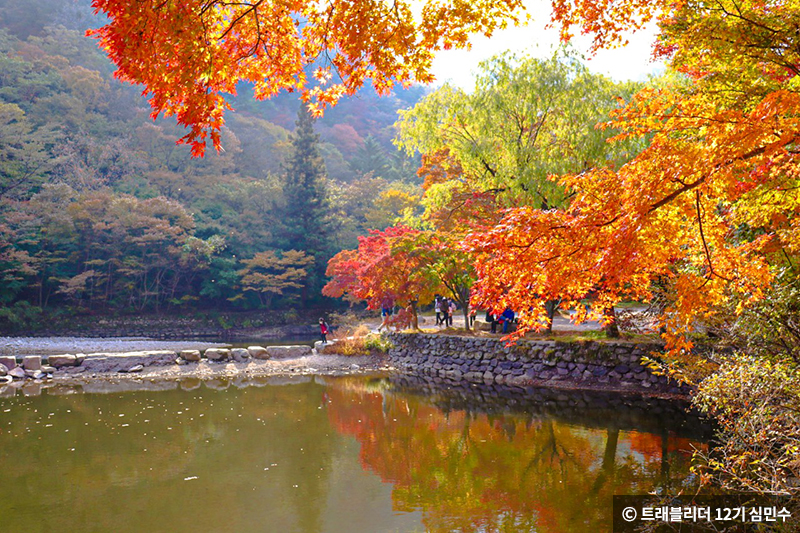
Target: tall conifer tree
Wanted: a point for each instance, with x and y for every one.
(307, 219)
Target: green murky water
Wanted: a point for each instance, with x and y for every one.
(330, 454)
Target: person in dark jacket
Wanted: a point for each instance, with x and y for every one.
(507, 318)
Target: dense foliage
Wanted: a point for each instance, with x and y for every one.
(101, 210)
(484, 152)
(195, 51)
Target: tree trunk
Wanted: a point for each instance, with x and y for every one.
(550, 307)
(611, 329)
(414, 319)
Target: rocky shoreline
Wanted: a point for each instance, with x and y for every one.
(33, 374)
(451, 361)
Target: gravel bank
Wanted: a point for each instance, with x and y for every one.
(21, 346)
(71, 380)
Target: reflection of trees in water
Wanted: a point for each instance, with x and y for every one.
(512, 472)
(462, 470)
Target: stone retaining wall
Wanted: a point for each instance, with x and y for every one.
(588, 364)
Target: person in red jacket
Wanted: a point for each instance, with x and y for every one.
(323, 330)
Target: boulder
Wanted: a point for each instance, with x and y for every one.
(9, 361)
(192, 356)
(114, 362)
(17, 372)
(240, 355)
(3, 370)
(60, 361)
(136, 368)
(258, 352)
(218, 354)
(320, 346)
(32, 362)
(48, 369)
(288, 352)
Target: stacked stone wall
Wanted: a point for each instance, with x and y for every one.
(589, 364)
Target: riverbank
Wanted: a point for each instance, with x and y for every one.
(22, 346)
(214, 374)
(449, 360)
(200, 325)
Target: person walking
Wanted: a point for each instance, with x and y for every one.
(443, 310)
(451, 310)
(437, 307)
(387, 309)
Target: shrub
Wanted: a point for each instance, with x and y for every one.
(756, 403)
(20, 316)
(359, 341)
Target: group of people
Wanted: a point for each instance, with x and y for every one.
(505, 319)
(445, 307)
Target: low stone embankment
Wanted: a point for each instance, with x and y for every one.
(32, 367)
(582, 364)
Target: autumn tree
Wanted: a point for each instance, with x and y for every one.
(443, 265)
(379, 269)
(189, 54)
(708, 207)
(526, 120)
(389, 207)
(269, 275)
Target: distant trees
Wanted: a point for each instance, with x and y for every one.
(269, 275)
(87, 181)
(25, 157)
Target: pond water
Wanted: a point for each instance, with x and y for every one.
(348, 454)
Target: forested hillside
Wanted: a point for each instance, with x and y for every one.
(101, 210)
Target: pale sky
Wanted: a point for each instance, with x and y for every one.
(629, 63)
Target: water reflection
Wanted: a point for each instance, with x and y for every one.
(507, 470)
(310, 454)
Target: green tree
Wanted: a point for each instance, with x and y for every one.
(24, 156)
(370, 158)
(527, 119)
(307, 217)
